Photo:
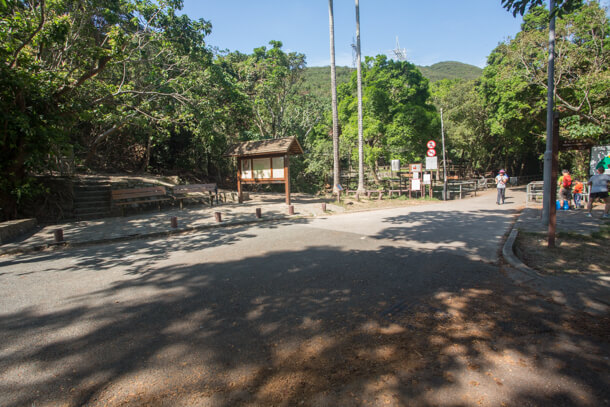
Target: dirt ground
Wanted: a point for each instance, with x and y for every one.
(573, 253)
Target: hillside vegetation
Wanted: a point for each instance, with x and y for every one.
(86, 89)
(450, 70)
(316, 79)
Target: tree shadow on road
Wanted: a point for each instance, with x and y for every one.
(322, 326)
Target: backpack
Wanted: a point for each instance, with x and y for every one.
(567, 181)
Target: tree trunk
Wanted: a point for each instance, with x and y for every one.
(360, 135)
(333, 85)
(147, 155)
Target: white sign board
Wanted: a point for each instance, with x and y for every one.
(431, 163)
(415, 167)
(427, 179)
(415, 185)
(395, 165)
(416, 175)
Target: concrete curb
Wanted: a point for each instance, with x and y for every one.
(165, 233)
(510, 257)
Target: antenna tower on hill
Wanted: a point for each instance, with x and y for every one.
(399, 53)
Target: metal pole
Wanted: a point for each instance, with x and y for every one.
(548, 154)
(444, 159)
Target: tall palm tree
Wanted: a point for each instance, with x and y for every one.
(333, 84)
(359, 73)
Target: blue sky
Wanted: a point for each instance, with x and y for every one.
(431, 31)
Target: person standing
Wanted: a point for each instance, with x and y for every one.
(577, 193)
(501, 180)
(565, 183)
(599, 189)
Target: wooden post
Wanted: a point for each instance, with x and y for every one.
(258, 213)
(218, 216)
(174, 222)
(323, 207)
(290, 209)
(239, 194)
(287, 177)
(59, 235)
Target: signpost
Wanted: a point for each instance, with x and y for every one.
(431, 144)
(431, 152)
(566, 145)
(395, 165)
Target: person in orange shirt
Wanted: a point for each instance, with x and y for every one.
(577, 193)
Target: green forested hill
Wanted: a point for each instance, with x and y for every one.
(316, 79)
(450, 70)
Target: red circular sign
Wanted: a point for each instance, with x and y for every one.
(431, 144)
(431, 152)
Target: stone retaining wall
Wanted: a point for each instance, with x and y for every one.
(13, 228)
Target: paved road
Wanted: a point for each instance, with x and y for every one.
(396, 307)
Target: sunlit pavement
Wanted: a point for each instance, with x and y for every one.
(398, 307)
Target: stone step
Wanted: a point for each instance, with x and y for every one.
(92, 215)
(92, 204)
(92, 196)
(91, 188)
(79, 213)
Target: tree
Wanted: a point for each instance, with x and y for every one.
(269, 77)
(96, 67)
(359, 81)
(333, 86)
(398, 115)
(522, 6)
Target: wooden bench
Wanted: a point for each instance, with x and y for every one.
(182, 192)
(131, 196)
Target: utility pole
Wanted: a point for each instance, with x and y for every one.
(444, 159)
(548, 154)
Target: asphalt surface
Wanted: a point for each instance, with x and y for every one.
(397, 307)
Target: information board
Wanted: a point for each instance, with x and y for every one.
(415, 184)
(431, 163)
(427, 179)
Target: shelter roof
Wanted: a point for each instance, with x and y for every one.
(287, 145)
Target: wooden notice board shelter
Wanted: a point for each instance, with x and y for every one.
(265, 162)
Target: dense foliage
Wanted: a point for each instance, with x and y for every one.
(503, 115)
(450, 70)
(131, 85)
(399, 118)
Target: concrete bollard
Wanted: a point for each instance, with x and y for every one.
(59, 235)
(357, 197)
(290, 209)
(218, 216)
(174, 221)
(339, 196)
(324, 207)
(380, 195)
(258, 213)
